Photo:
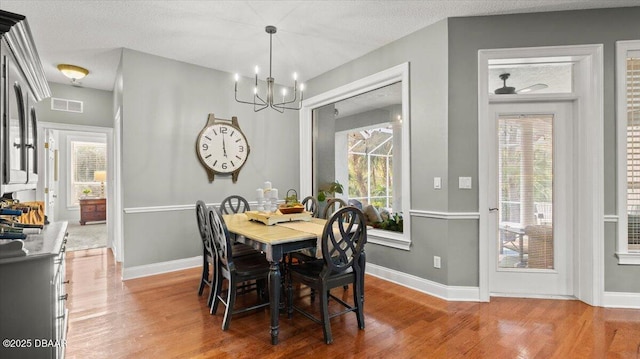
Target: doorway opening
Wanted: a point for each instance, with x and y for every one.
(578, 268)
(76, 188)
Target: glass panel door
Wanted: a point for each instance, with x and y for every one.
(525, 175)
(531, 176)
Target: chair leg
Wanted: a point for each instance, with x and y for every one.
(231, 301)
(358, 300)
(215, 293)
(289, 297)
(362, 261)
(205, 274)
(324, 312)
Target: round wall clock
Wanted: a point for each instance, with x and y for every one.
(222, 148)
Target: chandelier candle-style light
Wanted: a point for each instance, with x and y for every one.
(259, 103)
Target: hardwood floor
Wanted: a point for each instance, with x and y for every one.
(162, 317)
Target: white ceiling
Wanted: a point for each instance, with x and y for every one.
(313, 36)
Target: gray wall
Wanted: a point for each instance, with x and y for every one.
(426, 51)
(97, 106)
(165, 104)
(324, 138)
(468, 35)
(97, 111)
(444, 136)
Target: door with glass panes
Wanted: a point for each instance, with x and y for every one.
(531, 199)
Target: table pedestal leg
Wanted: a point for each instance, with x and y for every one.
(274, 299)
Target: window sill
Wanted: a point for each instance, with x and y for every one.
(628, 258)
(388, 238)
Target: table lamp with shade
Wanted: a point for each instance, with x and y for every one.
(100, 176)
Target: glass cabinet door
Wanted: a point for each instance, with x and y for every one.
(15, 161)
(32, 141)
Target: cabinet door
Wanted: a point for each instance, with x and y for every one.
(14, 123)
(32, 141)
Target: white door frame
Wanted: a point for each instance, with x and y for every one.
(588, 279)
(110, 160)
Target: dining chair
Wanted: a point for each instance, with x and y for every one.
(342, 244)
(235, 270)
(310, 204)
(355, 203)
(207, 251)
(333, 204)
(234, 204)
(208, 255)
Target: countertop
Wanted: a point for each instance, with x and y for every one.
(47, 243)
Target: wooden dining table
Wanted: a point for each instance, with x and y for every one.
(275, 241)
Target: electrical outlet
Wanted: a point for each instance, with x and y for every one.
(436, 262)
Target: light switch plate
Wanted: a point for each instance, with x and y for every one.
(464, 182)
(437, 182)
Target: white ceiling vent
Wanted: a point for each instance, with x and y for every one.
(60, 104)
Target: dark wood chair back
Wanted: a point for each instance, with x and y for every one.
(234, 204)
(203, 224)
(220, 239)
(208, 256)
(343, 240)
(310, 204)
(333, 204)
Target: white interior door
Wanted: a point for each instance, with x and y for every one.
(531, 199)
(50, 174)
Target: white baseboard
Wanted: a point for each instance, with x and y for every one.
(621, 300)
(162, 267)
(450, 293)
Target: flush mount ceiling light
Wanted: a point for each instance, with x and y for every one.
(258, 102)
(73, 72)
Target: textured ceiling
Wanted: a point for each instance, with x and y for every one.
(313, 36)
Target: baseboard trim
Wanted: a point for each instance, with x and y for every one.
(450, 293)
(160, 268)
(621, 300)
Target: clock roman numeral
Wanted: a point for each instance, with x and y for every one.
(214, 163)
(232, 132)
(214, 132)
(238, 140)
(238, 157)
(207, 156)
(208, 138)
(232, 164)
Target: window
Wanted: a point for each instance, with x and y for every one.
(327, 118)
(554, 75)
(86, 158)
(370, 161)
(628, 119)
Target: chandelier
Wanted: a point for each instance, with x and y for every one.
(269, 99)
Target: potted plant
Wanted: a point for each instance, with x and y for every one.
(86, 191)
(330, 189)
(394, 223)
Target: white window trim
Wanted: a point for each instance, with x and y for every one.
(622, 248)
(77, 138)
(372, 82)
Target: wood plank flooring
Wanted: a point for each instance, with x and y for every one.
(162, 317)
